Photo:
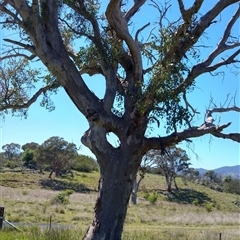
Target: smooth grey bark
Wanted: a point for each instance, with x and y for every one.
(117, 175)
(134, 192)
(136, 185)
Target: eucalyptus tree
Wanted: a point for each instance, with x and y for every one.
(175, 162)
(11, 151)
(56, 153)
(148, 74)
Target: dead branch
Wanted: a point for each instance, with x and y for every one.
(228, 109)
(222, 46)
(141, 29)
(175, 138)
(131, 12)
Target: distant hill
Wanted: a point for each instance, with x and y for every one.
(234, 171)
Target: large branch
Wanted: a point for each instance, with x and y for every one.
(222, 109)
(204, 22)
(119, 24)
(187, 14)
(185, 135)
(233, 136)
(222, 46)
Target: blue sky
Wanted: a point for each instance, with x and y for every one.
(67, 122)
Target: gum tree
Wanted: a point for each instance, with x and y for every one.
(57, 153)
(148, 73)
(171, 164)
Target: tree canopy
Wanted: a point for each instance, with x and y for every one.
(56, 153)
(170, 165)
(11, 151)
(149, 71)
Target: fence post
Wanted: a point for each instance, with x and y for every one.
(1, 217)
(50, 222)
(220, 236)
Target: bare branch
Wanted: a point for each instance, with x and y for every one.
(18, 55)
(130, 13)
(187, 14)
(28, 47)
(229, 60)
(228, 109)
(174, 138)
(233, 136)
(139, 30)
(27, 104)
(222, 46)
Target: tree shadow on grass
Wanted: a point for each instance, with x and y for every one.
(57, 185)
(187, 196)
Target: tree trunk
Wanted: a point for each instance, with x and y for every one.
(115, 188)
(175, 183)
(169, 183)
(134, 192)
(51, 173)
(135, 189)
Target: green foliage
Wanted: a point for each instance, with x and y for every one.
(228, 179)
(165, 77)
(11, 151)
(31, 146)
(69, 192)
(19, 79)
(173, 162)
(56, 153)
(28, 158)
(208, 206)
(146, 195)
(210, 174)
(84, 163)
(233, 186)
(62, 197)
(11, 164)
(152, 197)
(134, 233)
(195, 202)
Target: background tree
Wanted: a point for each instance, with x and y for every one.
(174, 162)
(11, 151)
(11, 155)
(148, 75)
(31, 146)
(84, 163)
(57, 153)
(231, 185)
(28, 159)
(210, 174)
(28, 155)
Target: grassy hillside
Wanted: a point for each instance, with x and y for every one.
(32, 198)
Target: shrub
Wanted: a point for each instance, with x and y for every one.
(11, 164)
(85, 164)
(152, 198)
(69, 192)
(24, 192)
(146, 195)
(208, 207)
(195, 202)
(61, 198)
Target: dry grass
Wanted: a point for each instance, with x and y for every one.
(171, 217)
